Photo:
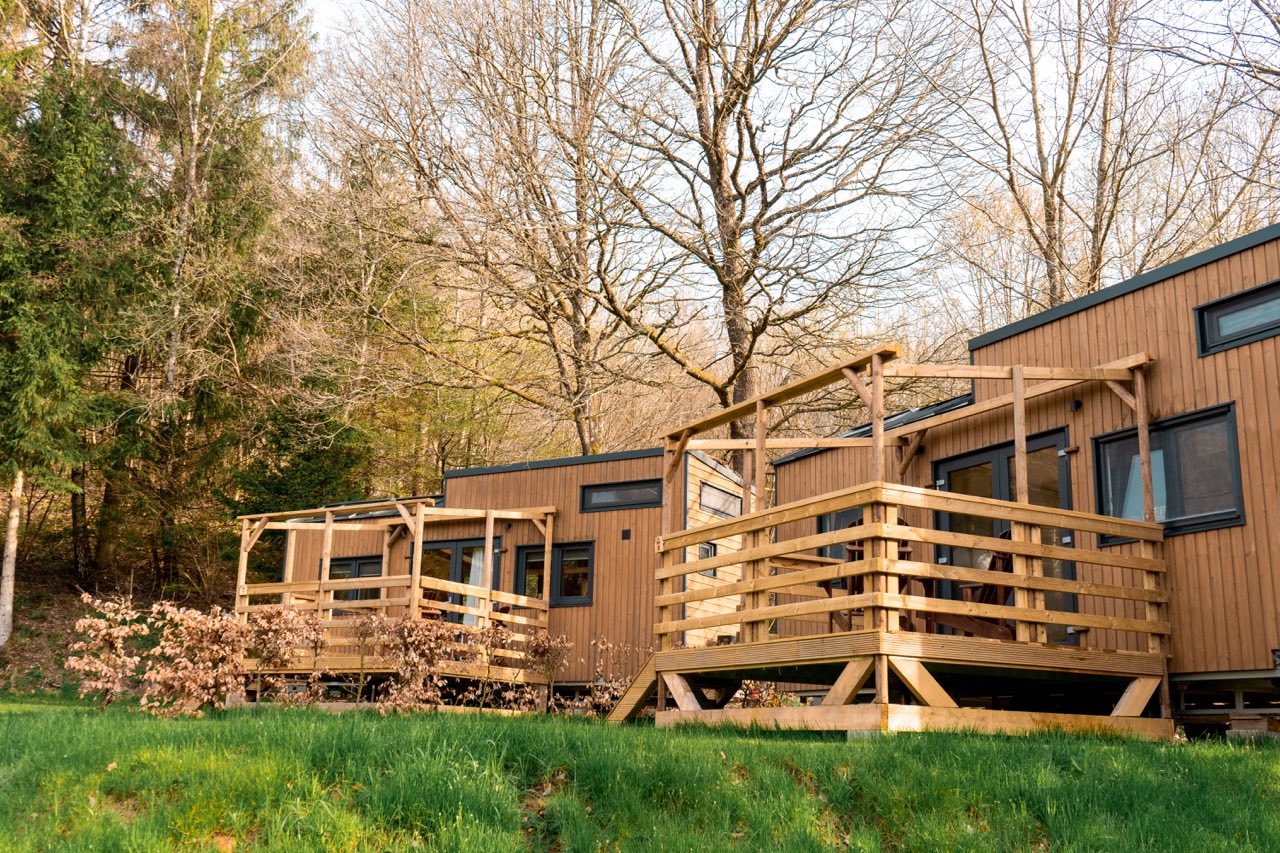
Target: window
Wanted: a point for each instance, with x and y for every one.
(707, 550)
(718, 501)
(838, 521)
(572, 571)
(636, 494)
(1195, 472)
(355, 567)
(1240, 319)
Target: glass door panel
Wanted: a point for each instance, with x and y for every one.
(973, 480)
(437, 562)
(1044, 488)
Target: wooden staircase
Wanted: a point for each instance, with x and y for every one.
(637, 694)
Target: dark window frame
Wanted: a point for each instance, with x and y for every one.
(713, 550)
(355, 562)
(703, 486)
(1209, 342)
(587, 487)
(553, 577)
(1191, 524)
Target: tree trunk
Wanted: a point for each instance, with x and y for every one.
(79, 524)
(9, 566)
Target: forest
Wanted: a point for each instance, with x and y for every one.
(265, 254)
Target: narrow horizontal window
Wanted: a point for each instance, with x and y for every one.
(635, 494)
(1240, 319)
(719, 501)
(1195, 472)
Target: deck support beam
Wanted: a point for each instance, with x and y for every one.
(846, 688)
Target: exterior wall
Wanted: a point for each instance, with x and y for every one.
(621, 611)
(1225, 583)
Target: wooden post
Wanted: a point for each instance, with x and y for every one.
(386, 564)
(1144, 443)
(890, 580)
(242, 574)
(290, 557)
(547, 545)
(1156, 642)
(415, 564)
(759, 462)
(877, 419)
(326, 559)
(486, 571)
(1019, 532)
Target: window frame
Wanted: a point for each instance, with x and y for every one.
(354, 563)
(1191, 524)
(551, 579)
(1209, 342)
(703, 486)
(713, 550)
(586, 488)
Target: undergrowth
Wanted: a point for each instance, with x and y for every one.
(281, 779)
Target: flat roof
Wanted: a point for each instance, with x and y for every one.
(1146, 279)
(554, 463)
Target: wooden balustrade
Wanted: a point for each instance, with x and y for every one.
(470, 605)
(1118, 591)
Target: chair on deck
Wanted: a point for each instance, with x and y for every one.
(984, 593)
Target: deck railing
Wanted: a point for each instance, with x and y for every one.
(470, 606)
(1049, 579)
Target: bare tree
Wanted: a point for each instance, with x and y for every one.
(775, 160)
(1105, 158)
(493, 112)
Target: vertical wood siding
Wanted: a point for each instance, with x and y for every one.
(1225, 584)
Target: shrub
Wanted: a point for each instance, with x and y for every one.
(414, 649)
(547, 654)
(108, 657)
(196, 663)
(279, 638)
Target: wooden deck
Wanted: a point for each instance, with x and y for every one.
(898, 637)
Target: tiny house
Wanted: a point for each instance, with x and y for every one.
(561, 544)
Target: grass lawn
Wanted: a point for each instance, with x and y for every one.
(76, 779)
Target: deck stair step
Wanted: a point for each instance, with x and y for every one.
(636, 695)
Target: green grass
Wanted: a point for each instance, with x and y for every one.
(76, 779)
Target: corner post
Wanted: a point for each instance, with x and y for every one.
(415, 564)
(242, 573)
(1020, 532)
(326, 560)
(486, 573)
(290, 558)
(1151, 580)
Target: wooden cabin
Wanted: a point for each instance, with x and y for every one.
(565, 545)
(1088, 539)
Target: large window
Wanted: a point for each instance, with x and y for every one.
(719, 501)
(1239, 319)
(572, 571)
(355, 567)
(636, 494)
(1195, 472)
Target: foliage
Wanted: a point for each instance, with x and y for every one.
(280, 638)
(286, 780)
(414, 649)
(108, 657)
(196, 663)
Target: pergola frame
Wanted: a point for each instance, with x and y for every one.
(867, 372)
(412, 515)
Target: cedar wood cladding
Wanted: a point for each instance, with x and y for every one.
(1225, 583)
(622, 610)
